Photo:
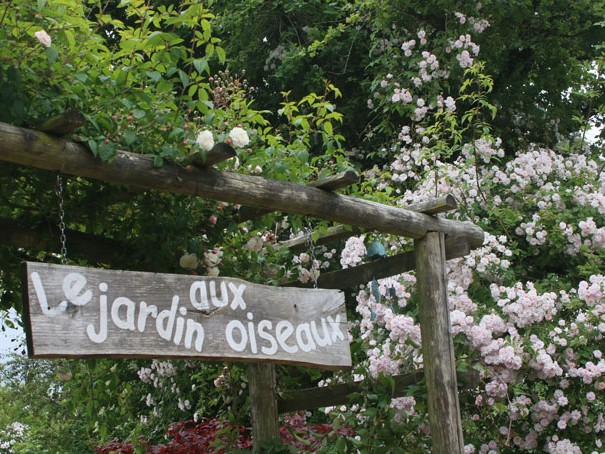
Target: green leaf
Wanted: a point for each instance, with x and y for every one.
(154, 75)
(52, 54)
(328, 128)
(93, 147)
(201, 65)
(106, 151)
(184, 78)
(220, 53)
(209, 50)
(303, 156)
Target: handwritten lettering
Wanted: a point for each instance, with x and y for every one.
(181, 319)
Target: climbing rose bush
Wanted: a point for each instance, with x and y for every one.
(532, 327)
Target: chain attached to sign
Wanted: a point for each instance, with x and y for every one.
(62, 237)
(311, 247)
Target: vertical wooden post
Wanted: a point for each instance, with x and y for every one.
(263, 403)
(438, 346)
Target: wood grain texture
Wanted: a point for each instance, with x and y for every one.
(263, 403)
(332, 183)
(20, 234)
(332, 234)
(78, 312)
(435, 206)
(381, 268)
(219, 153)
(36, 149)
(63, 124)
(438, 346)
(348, 393)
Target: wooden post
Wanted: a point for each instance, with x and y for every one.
(438, 346)
(263, 403)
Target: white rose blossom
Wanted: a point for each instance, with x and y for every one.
(43, 37)
(189, 261)
(239, 136)
(205, 140)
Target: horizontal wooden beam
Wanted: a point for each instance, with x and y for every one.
(344, 393)
(21, 234)
(332, 234)
(381, 268)
(62, 124)
(335, 182)
(435, 206)
(219, 153)
(35, 149)
(331, 183)
(339, 232)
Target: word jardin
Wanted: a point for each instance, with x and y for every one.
(216, 310)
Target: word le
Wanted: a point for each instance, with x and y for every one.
(165, 321)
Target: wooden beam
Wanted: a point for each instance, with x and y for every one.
(62, 124)
(335, 182)
(381, 268)
(332, 183)
(219, 153)
(20, 234)
(36, 149)
(263, 404)
(332, 234)
(438, 346)
(339, 232)
(344, 393)
(435, 206)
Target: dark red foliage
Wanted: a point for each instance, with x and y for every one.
(220, 436)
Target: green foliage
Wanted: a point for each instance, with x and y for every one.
(304, 80)
(34, 399)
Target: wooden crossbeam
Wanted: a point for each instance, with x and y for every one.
(387, 266)
(20, 234)
(332, 234)
(332, 183)
(339, 232)
(219, 153)
(344, 393)
(381, 268)
(36, 149)
(62, 124)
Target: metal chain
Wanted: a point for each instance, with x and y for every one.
(311, 247)
(62, 237)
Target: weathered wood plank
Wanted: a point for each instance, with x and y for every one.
(339, 232)
(19, 234)
(263, 403)
(435, 206)
(381, 268)
(335, 182)
(36, 149)
(62, 124)
(438, 346)
(332, 234)
(332, 183)
(219, 153)
(344, 393)
(83, 312)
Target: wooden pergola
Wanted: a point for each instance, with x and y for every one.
(436, 240)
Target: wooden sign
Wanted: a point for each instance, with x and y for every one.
(74, 312)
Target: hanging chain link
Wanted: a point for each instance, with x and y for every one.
(311, 248)
(62, 237)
